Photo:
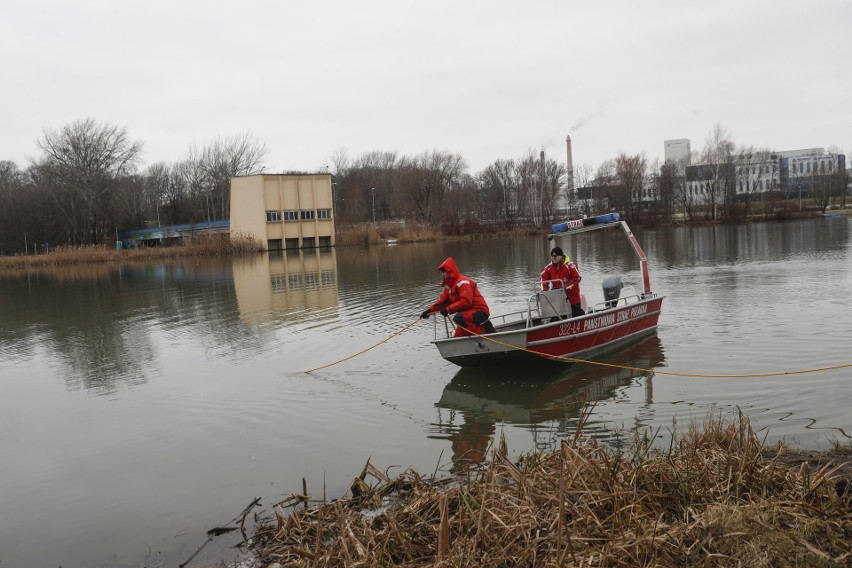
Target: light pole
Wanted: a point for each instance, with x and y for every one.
(800, 197)
(373, 191)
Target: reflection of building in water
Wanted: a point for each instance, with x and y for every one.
(483, 397)
(280, 284)
(284, 211)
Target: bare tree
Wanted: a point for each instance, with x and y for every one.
(12, 211)
(552, 173)
(839, 186)
(685, 194)
(528, 171)
(156, 190)
(499, 184)
(603, 187)
(821, 191)
(757, 172)
(718, 157)
(629, 183)
(435, 173)
(81, 166)
(340, 160)
(221, 160)
(667, 177)
(582, 182)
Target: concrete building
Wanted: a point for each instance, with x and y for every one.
(792, 173)
(802, 169)
(678, 151)
(758, 173)
(284, 211)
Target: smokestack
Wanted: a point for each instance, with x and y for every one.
(570, 170)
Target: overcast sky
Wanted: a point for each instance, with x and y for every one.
(484, 79)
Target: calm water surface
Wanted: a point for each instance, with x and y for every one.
(144, 405)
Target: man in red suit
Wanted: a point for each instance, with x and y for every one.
(562, 273)
(461, 298)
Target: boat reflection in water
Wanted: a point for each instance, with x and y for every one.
(279, 285)
(546, 400)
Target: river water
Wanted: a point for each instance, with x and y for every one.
(145, 404)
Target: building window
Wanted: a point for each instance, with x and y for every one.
(307, 214)
(291, 215)
(273, 216)
(323, 213)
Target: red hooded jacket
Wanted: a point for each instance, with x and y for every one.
(564, 274)
(459, 293)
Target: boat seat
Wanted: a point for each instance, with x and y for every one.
(553, 303)
(627, 296)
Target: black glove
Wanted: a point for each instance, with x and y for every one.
(444, 312)
(425, 315)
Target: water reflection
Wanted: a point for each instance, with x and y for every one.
(476, 400)
(753, 242)
(279, 285)
(100, 326)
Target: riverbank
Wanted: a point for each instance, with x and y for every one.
(225, 245)
(202, 245)
(714, 498)
(397, 232)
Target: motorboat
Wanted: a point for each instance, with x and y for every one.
(544, 331)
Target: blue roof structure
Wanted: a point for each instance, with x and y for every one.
(174, 231)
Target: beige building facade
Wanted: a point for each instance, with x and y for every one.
(284, 211)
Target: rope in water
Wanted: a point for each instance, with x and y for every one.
(404, 329)
(598, 363)
(658, 371)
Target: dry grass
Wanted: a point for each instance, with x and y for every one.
(368, 234)
(201, 245)
(712, 499)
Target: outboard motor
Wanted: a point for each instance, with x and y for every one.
(612, 286)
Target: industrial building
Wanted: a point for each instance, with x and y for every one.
(284, 211)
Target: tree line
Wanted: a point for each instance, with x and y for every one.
(87, 184)
(435, 187)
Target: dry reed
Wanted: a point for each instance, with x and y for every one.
(371, 234)
(200, 245)
(712, 499)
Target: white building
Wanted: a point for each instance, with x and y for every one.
(678, 151)
(789, 172)
(758, 173)
(801, 166)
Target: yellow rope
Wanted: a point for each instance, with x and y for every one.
(657, 371)
(365, 350)
(600, 364)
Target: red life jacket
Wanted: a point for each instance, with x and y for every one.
(460, 293)
(563, 275)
